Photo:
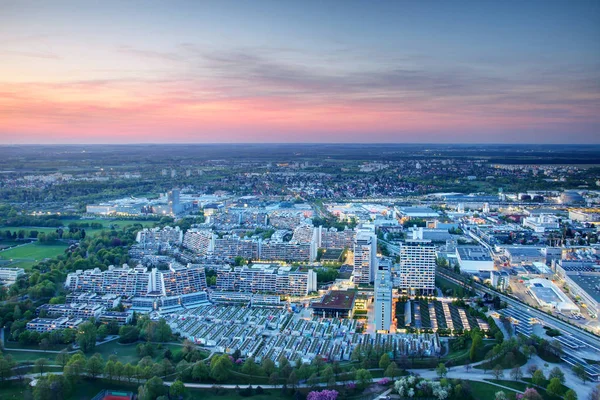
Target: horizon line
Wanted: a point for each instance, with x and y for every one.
(300, 143)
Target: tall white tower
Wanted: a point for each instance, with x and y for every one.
(365, 256)
(383, 300)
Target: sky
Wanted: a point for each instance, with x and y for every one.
(299, 71)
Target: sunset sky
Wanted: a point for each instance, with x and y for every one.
(299, 71)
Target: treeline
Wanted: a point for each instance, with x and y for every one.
(46, 278)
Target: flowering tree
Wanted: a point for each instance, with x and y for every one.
(529, 394)
(323, 395)
(411, 386)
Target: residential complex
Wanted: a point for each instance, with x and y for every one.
(266, 278)
(416, 271)
(365, 257)
(382, 310)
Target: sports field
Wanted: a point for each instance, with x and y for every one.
(25, 256)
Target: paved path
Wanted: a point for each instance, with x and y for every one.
(459, 372)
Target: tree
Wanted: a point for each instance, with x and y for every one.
(6, 365)
(40, 365)
(364, 378)
(62, 358)
(531, 369)
(391, 371)
(441, 370)
(557, 373)
(109, 370)
(313, 380)
(384, 361)
(554, 388)
(200, 371)
(531, 394)
(293, 379)
(251, 368)
(268, 366)
(128, 334)
(86, 337)
(500, 396)
(163, 331)
(75, 367)
(152, 389)
(476, 344)
(274, 379)
(323, 395)
(102, 332)
(328, 374)
(51, 387)
(119, 369)
(580, 372)
(516, 374)
(95, 365)
(595, 395)
(177, 389)
(498, 371)
(128, 372)
(570, 395)
(538, 377)
(220, 368)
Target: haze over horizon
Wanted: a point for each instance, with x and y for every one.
(310, 72)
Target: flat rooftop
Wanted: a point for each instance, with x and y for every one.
(337, 300)
(544, 293)
(589, 283)
(473, 253)
(524, 251)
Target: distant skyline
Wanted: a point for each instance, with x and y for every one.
(311, 71)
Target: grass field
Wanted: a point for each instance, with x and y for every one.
(27, 255)
(485, 391)
(118, 224)
(89, 388)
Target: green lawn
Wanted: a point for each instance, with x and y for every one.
(105, 223)
(485, 391)
(89, 388)
(518, 359)
(522, 386)
(16, 391)
(21, 356)
(27, 255)
(120, 223)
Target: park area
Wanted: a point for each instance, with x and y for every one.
(26, 255)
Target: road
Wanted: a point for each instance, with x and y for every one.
(593, 341)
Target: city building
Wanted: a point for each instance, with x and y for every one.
(117, 317)
(199, 241)
(524, 255)
(333, 239)
(8, 275)
(473, 259)
(231, 246)
(266, 278)
(85, 311)
(416, 271)
(383, 300)
(47, 324)
(174, 202)
(499, 279)
(365, 257)
(548, 295)
(542, 223)
(591, 215)
(138, 281)
(335, 304)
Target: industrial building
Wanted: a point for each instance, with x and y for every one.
(473, 259)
